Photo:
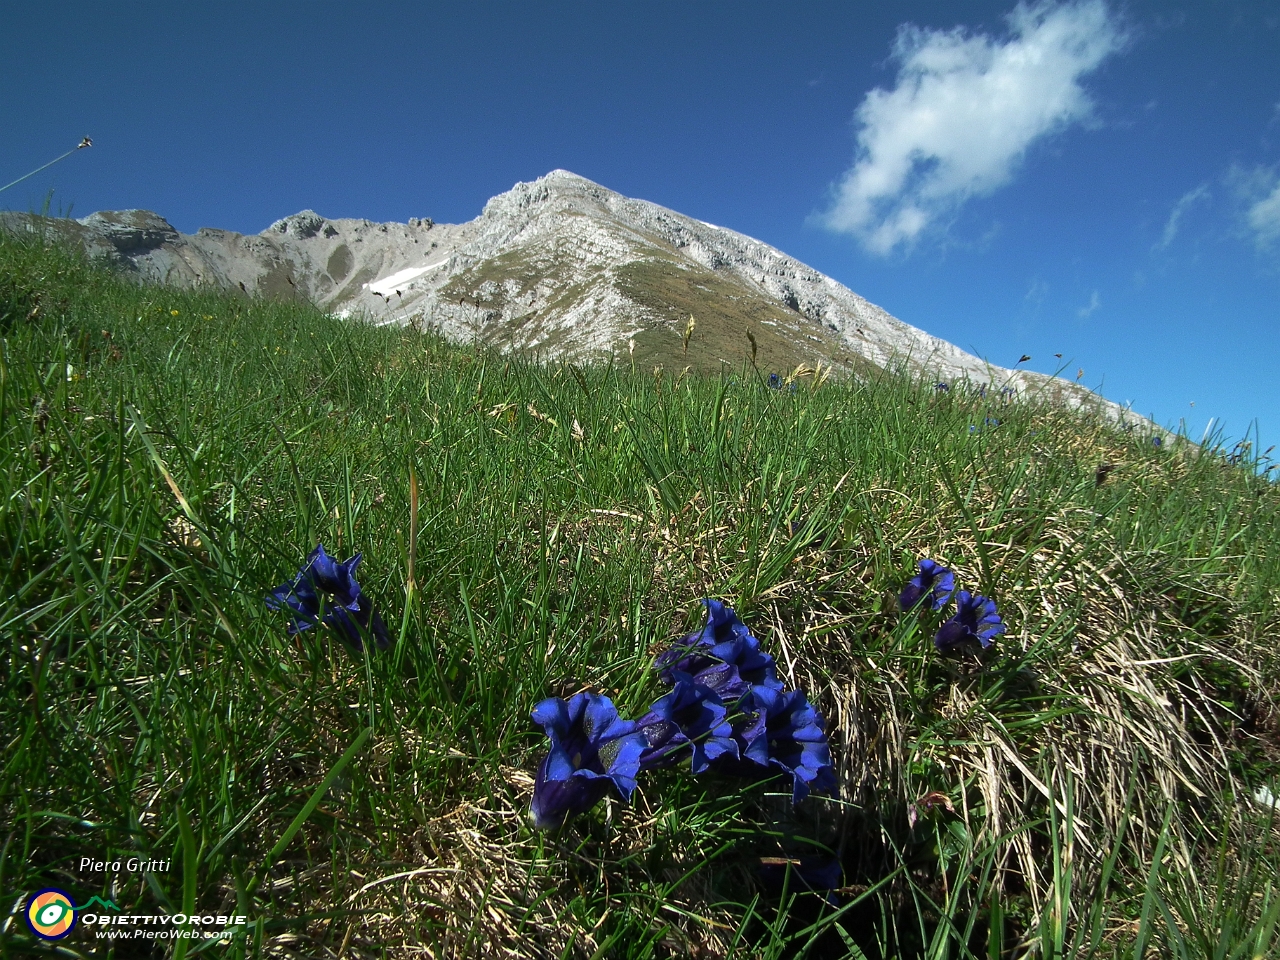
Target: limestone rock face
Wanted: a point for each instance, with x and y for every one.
(561, 268)
(131, 232)
(300, 226)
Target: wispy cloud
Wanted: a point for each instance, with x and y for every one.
(1259, 191)
(1087, 310)
(964, 110)
(1185, 202)
(1264, 218)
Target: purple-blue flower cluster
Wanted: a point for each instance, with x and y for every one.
(693, 716)
(933, 580)
(592, 749)
(325, 592)
(727, 711)
(975, 618)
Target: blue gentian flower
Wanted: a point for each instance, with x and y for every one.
(1008, 392)
(691, 713)
(942, 386)
(1157, 442)
(934, 579)
(723, 655)
(775, 381)
(592, 749)
(300, 597)
(785, 733)
(975, 618)
(345, 610)
(991, 422)
(353, 624)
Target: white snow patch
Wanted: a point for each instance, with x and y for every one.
(398, 280)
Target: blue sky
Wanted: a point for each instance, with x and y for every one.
(1100, 180)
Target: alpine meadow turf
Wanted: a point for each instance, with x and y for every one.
(1095, 784)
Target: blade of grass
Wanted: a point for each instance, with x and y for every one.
(318, 794)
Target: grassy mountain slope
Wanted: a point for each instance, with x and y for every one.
(168, 457)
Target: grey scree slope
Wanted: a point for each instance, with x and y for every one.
(566, 269)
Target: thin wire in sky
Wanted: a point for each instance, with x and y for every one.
(86, 142)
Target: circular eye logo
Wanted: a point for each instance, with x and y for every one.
(51, 914)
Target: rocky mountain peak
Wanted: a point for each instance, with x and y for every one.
(301, 225)
(560, 190)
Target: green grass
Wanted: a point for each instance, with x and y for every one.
(166, 458)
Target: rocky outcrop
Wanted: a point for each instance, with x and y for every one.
(130, 232)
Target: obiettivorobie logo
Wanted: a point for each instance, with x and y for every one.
(51, 913)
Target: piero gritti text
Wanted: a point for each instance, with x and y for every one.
(131, 865)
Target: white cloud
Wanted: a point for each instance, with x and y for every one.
(1258, 190)
(964, 110)
(1094, 303)
(1184, 203)
(1264, 218)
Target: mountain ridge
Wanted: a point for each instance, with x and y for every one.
(567, 269)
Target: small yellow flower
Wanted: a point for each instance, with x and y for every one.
(173, 313)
